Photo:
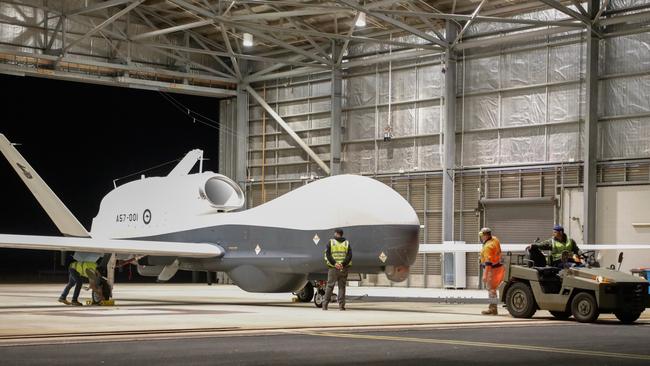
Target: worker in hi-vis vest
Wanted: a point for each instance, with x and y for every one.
(338, 257)
(559, 244)
(76, 271)
(493, 270)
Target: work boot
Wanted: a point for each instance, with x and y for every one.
(324, 306)
(64, 301)
(76, 303)
(342, 308)
(492, 310)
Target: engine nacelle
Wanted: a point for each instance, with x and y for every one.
(397, 273)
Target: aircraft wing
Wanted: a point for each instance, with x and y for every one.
(455, 248)
(64, 220)
(92, 245)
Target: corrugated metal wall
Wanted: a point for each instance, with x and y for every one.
(517, 108)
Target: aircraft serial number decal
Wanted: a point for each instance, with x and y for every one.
(132, 217)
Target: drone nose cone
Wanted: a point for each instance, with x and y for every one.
(377, 202)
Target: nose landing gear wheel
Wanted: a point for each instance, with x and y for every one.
(319, 297)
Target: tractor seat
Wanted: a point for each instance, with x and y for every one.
(547, 272)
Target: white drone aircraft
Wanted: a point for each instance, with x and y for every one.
(194, 222)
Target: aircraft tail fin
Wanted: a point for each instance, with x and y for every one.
(64, 220)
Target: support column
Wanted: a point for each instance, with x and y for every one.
(449, 138)
(591, 131)
(228, 139)
(335, 133)
(242, 136)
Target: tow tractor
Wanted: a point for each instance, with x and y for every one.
(583, 291)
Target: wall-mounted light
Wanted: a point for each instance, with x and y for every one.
(248, 40)
(361, 20)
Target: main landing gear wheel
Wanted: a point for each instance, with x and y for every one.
(306, 294)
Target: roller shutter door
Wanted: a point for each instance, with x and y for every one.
(521, 223)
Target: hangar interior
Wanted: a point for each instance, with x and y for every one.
(472, 110)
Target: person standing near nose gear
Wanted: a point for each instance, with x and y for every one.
(493, 270)
(338, 257)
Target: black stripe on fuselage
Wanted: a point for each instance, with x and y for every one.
(287, 250)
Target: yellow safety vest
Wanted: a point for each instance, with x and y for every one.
(81, 267)
(339, 252)
(559, 247)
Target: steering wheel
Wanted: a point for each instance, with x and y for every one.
(589, 257)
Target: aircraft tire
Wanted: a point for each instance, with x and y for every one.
(306, 293)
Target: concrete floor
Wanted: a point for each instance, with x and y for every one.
(162, 322)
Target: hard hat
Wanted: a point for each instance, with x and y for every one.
(485, 230)
(558, 227)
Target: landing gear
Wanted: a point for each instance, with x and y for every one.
(101, 289)
(314, 290)
(319, 297)
(306, 294)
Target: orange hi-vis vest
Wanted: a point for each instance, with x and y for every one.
(491, 253)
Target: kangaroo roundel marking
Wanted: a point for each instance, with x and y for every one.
(146, 216)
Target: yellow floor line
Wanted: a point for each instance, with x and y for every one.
(453, 342)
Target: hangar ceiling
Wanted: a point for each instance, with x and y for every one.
(196, 46)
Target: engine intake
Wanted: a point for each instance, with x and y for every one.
(222, 193)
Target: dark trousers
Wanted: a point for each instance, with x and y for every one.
(334, 276)
(74, 279)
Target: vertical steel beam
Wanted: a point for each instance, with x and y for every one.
(449, 138)
(591, 130)
(335, 114)
(242, 131)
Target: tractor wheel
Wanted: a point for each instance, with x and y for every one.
(520, 301)
(627, 317)
(561, 315)
(584, 307)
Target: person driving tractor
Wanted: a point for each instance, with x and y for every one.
(559, 244)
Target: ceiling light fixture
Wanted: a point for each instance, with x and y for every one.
(361, 20)
(248, 40)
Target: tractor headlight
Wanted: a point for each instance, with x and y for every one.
(602, 279)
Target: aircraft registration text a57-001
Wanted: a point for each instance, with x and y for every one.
(130, 217)
(134, 217)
